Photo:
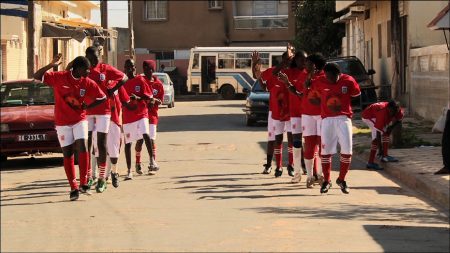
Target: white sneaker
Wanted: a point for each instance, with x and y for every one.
(129, 176)
(297, 178)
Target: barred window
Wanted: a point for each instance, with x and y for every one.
(156, 10)
(215, 4)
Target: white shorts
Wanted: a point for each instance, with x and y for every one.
(311, 125)
(135, 130)
(296, 125)
(67, 135)
(371, 125)
(336, 130)
(270, 128)
(153, 129)
(114, 140)
(281, 126)
(99, 123)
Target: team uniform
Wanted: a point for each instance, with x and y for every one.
(158, 92)
(336, 112)
(70, 119)
(135, 122)
(377, 118)
(311, 125)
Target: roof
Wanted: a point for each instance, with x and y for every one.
(239, 49)
(19, 81)
(442, 20)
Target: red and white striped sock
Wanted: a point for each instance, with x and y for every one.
(102, 170)
(345, 166)
(290, 155)
(326, 167)
(277, 152)
(385, 142)
(138, 157)
(154, 151)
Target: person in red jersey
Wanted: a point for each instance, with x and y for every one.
(295, 76)
(135, 118)
(336, 91)
(158, 96)
(378, 117)
(100, 117)
(73, 91)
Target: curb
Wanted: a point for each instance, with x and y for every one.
(197, 97)
(414, 181)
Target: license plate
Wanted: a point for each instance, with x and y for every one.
(32, 137)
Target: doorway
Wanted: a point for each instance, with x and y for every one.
(208, 69)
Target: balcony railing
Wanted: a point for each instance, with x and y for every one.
(261, 22)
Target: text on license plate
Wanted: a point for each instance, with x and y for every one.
(32, 137)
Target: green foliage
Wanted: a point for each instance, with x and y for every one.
(316, 31)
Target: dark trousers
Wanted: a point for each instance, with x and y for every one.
(446, 142)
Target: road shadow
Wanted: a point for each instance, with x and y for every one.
(206, 122)
(410, 238)
(27, 163)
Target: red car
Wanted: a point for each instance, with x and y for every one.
(27, 119)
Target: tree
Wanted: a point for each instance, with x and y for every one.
(316, 31)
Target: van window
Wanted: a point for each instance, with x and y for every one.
(195, 62)
(243, 60)
(226, 60)
(264, 60)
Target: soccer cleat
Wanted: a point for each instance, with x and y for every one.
(151, 170)
(101, 185)
(115, 179)
(325, 187)
(309, 182)
(297, 178)
(343, 185)
(278, 172)
(373, 166)
(92, 181)
(138, 168)
(74, 195)
(318, 180)
(86, 189)
(290, 170)
(129, 176)
(267, 169)
(389, 159)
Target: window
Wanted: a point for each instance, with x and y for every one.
(156, 10)
(388, 44)
(380, 46)
(226, 60)
(264, 60)
(214, 4)
(243, 60)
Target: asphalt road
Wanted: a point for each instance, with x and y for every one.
(210, 196)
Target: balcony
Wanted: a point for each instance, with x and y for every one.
(261, 22)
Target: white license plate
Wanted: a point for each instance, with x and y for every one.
(32, 137)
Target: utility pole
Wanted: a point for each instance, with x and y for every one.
(104, 23)
(30, 39)
(131, 28)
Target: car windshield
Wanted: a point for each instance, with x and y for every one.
(163, 79)
(257, 87)
(353, 68)
(19, 94)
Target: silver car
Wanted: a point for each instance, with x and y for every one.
(169, 93)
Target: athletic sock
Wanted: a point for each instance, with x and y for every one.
(154, 150)
(317, 164)
(277, 152)
(345, 165)
(83, 164)
(385, 142)
(297, 154)
(290, 155)
(138, 157)
(373, 151)
(69, 168)
(309, 167)
(102, 170)
(326, 167)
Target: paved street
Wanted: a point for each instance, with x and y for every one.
(210, 196)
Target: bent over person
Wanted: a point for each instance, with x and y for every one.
(73, 91)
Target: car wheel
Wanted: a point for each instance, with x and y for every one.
(249, 122)
(3, 158)
(227, 92)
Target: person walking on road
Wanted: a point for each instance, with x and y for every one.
(73, 91)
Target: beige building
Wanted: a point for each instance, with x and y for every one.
(370, 36)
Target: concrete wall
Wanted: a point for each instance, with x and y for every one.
(14, 38)
(429, 81)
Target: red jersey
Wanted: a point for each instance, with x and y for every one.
(311, 96)
(279, 95)
(380, 112)
(158, 92)
(69, 94)
(139, 87)
(104, 75)
(336, 97)
(120, 96)
(297, 77)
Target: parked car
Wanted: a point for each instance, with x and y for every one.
(352, 66)
(27, 119)
(257, 105)
(169, 93)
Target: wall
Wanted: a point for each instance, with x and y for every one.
(14, 37)
(429, 81)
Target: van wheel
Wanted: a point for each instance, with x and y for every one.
(227, 92)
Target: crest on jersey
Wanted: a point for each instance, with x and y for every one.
(155, 92)
(82, 92)
(344, 89)
(137, 88)
(102, 77)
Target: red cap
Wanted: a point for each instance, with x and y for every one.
(151, 63)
